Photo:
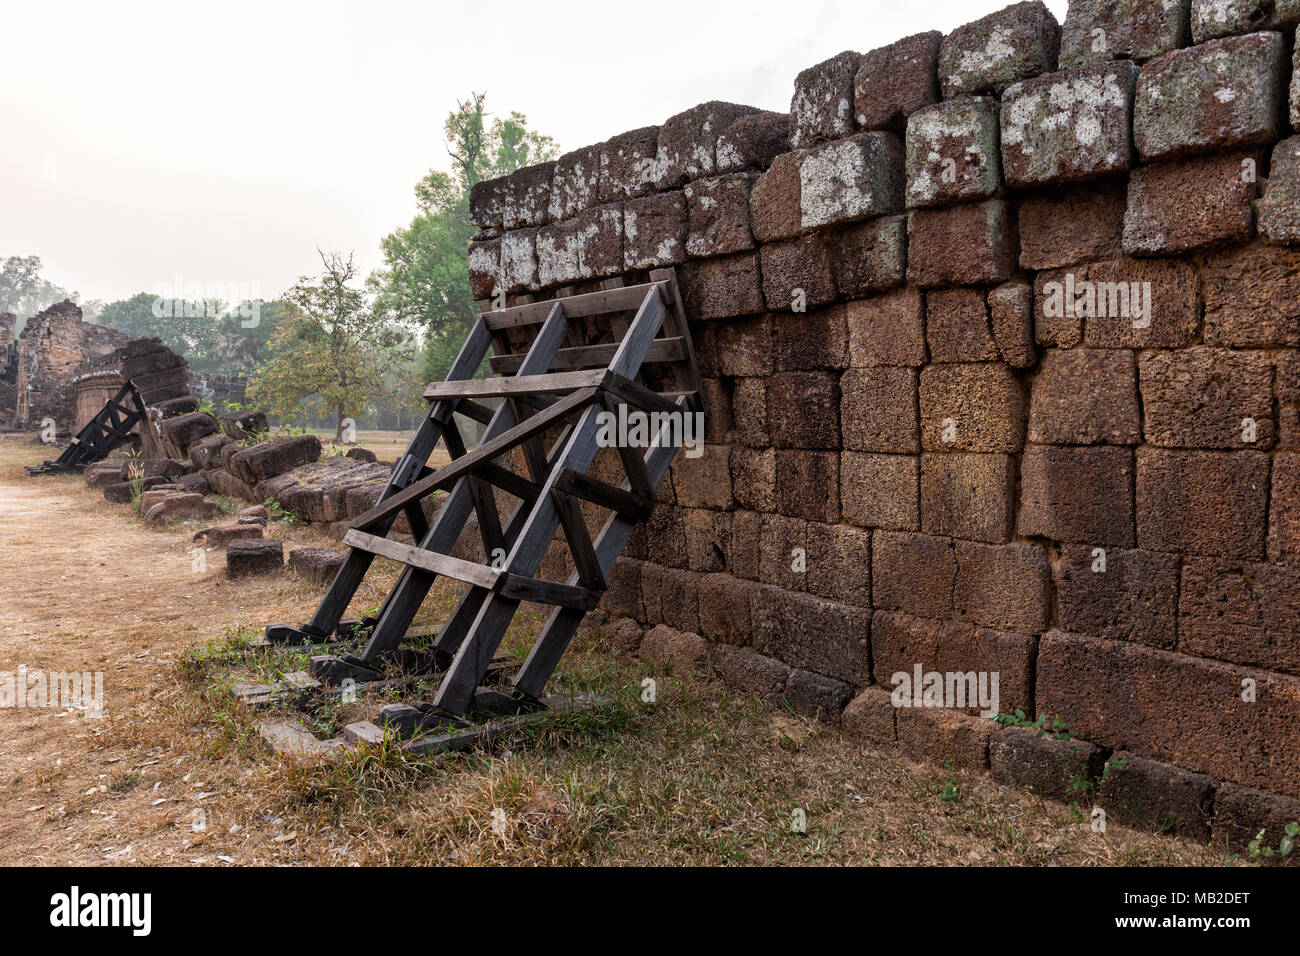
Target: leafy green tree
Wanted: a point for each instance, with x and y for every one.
(334, 354)
(22, 290)
(425, 278)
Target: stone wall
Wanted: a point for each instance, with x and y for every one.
(1001, 332)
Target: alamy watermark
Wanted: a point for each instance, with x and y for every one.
(1083, 299)
(953, 689)
(631, 428)
(64, 690)
(179, 299)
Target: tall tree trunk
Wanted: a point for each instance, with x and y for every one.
(338, 428)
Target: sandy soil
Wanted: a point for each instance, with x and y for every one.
(86, 587)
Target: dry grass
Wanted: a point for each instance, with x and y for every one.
(699, 777)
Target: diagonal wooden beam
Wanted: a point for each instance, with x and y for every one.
(489, 450)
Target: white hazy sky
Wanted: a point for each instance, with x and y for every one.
(224, 142)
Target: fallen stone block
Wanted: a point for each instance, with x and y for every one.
(251, 557)
(179, 506)
(316, 565)
(220, 537)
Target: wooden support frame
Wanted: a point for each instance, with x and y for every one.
(568, 380)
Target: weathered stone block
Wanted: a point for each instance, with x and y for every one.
(519, 260)
(627, 165)
(719, 288)
(1011, 316)
(985, 232)
(680, 651)
(575, 185)
(895, 81)
(968, 496)
(822, 107)
(899, 643)
(526, 196)
(1070, 125)
(586, 247)
(1124, 303)
(1050, 768)
(774, 203)
(1080, 495)
(913, 573)
(1006, 587)
(1204, 397)
(782, 538)
(1181, 207)
(751, 426)
(275, 457)
(1219, 18)
(808, 341)
(808, 484)
(797, 273)
(688, 142)
(991, 53)
(753, 141)
(1118, 695)
(1240, 612)
(1279, 210)
(750, 673)
(869, 257)
(718, 215)
(957, 326)
(945, 739)
(705, 481)
(952, 152)
(972, 407)
(1129, 29)
(485, 279)
(316, 565)
(256, 556)
(839, 563)
(1240, 813)
(1156, 796)
(725, 612)
(878, 410)
(870, 716)
(486, 202)
(851, 179)
(1252, 297)
(654, 231)
(880, 491)
(746, 537)
(1060, 227)
(1085, 397)
(708, 536)
(184, 430)
(887, 329)
(812, 695)
(1219, 95)
(1284, 510)
(1202, 502)
(745, 347)
(815, 634)
(803, 410)
(1119, 595)
(753, 475)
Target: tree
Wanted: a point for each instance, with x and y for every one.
(425, 279)
(22, 290)
(333, 353)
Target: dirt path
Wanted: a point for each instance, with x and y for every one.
(85, 587)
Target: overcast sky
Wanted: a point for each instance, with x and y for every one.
(225, 142)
